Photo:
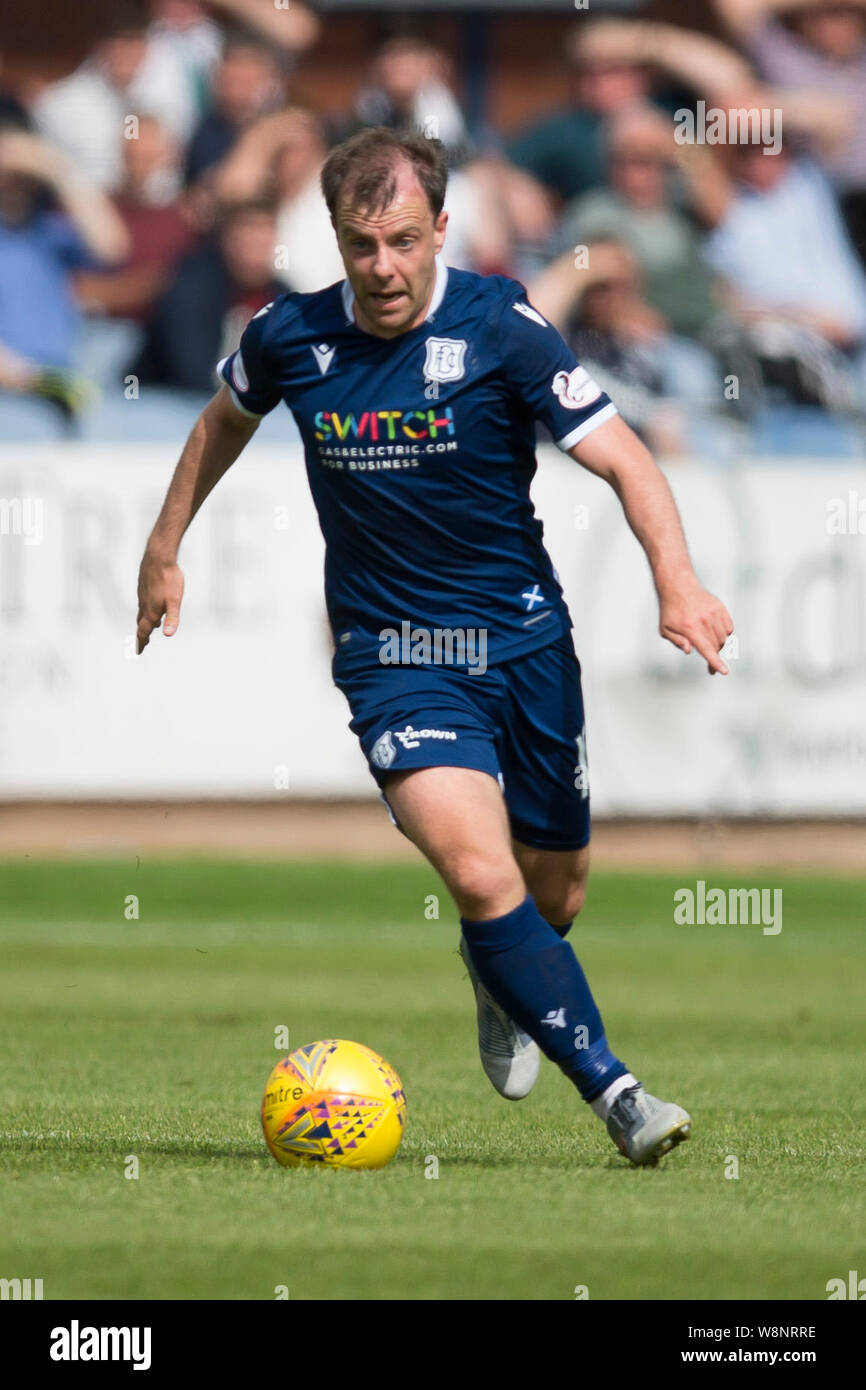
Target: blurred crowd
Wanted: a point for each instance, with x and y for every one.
(164, 191)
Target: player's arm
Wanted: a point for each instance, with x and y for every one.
(544, 374)
(217, 438)
(220, 433)
(689, 616)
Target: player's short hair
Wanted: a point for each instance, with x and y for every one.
(364, 169)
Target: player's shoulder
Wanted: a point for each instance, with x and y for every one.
(486, 293)
(504, 305)
(296, 315)
(500, 302)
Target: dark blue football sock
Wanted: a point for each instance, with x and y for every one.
(537, 979)
(563, 929)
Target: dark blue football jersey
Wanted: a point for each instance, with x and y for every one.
(420, 452)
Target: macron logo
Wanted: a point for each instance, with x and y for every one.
(324, 355)
(76, 1343)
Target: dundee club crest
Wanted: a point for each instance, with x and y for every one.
(383, 751)
(444, 360)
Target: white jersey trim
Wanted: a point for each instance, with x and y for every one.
(439, 288)
(579, 432)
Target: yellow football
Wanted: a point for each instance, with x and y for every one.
(334, 1102)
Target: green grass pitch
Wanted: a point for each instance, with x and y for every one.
(153, 1038)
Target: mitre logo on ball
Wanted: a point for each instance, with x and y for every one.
(335, 1104)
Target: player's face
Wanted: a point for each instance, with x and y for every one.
(390, 259)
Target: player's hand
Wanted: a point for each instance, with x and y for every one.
(692, 617)
(160, 591)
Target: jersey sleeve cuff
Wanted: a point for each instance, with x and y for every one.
(586, 427)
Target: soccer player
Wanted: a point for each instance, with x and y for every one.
(416, 389)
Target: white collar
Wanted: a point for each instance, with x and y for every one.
(439, 288)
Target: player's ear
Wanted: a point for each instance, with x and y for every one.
(439, 226)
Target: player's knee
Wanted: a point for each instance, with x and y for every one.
(562, 902)
(481, 884)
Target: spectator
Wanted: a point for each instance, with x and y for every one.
(800, 292)
(814, 48)
(158, 224)
(409, 88)
(599, 306)
(161, 68)
(281, 157)
(656, 216)
(247, 83)
(614, 64)
(39, 248)
(216, 290)
(85, 114)
(185, 46)
(291, 28)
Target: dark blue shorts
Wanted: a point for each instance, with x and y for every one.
(522, 722)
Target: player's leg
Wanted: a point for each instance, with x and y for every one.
(461, 825)
(417, 717)
(547, 791)
(435, 726)
(457, 819)
(556, 879)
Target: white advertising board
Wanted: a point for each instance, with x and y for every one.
(240, 702)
